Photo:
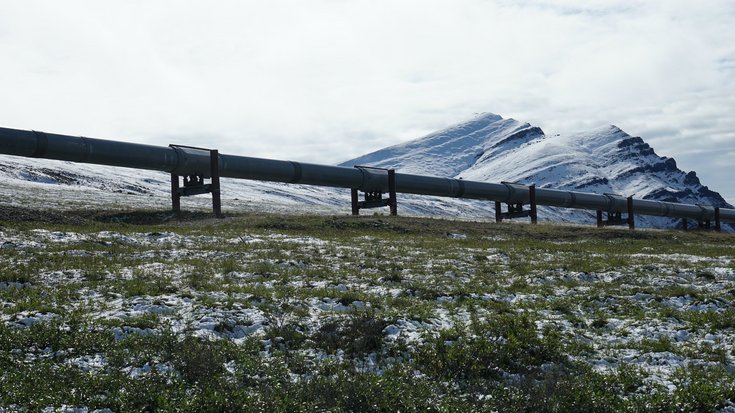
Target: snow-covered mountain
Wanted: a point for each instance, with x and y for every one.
(605, 160)
(485, 148)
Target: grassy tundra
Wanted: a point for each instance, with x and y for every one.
(259, 312)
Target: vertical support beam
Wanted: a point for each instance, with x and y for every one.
(498, 212)
(214, 186)
(392, 200)
(175, 197)
(599, 219)
(355, 202)
(718, 227)
(684, 224)
(631, 217)
(532, 200)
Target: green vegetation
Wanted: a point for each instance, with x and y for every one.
(137, 311)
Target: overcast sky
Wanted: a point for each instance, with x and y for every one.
(326, 80)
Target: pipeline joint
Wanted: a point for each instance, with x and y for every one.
(41, 144)
(297, 172)
(460, 190)
(86, 151)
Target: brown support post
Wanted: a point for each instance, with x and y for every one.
(631, 217)
(599, 219)
(214, 186)
(392, 201)
(532, 200)
(355, 202)
(684, 224)
(498, 212)
(175, 197)
(718, 227)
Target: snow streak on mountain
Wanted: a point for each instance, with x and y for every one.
(605, 160)
(486, 148)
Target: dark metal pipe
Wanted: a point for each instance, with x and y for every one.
(186, 161)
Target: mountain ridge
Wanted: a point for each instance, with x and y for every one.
(485, 148)
(602, 160)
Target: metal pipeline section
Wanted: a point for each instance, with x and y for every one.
(187, 161)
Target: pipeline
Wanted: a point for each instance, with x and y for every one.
(187, 161)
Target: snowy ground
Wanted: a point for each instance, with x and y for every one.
(68, 185)
(484, 316)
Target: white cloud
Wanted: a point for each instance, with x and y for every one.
(325, 80)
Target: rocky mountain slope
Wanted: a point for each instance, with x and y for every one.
(485, 148)
(605, 160)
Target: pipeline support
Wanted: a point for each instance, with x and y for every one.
(181, 161)
(631, 217)
(194, 180)
(532, 201)
(515, 203)
(374, 197)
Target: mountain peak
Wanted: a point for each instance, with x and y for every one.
(490, 148)
(453, 149)
(487, 116)
(485, 148)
